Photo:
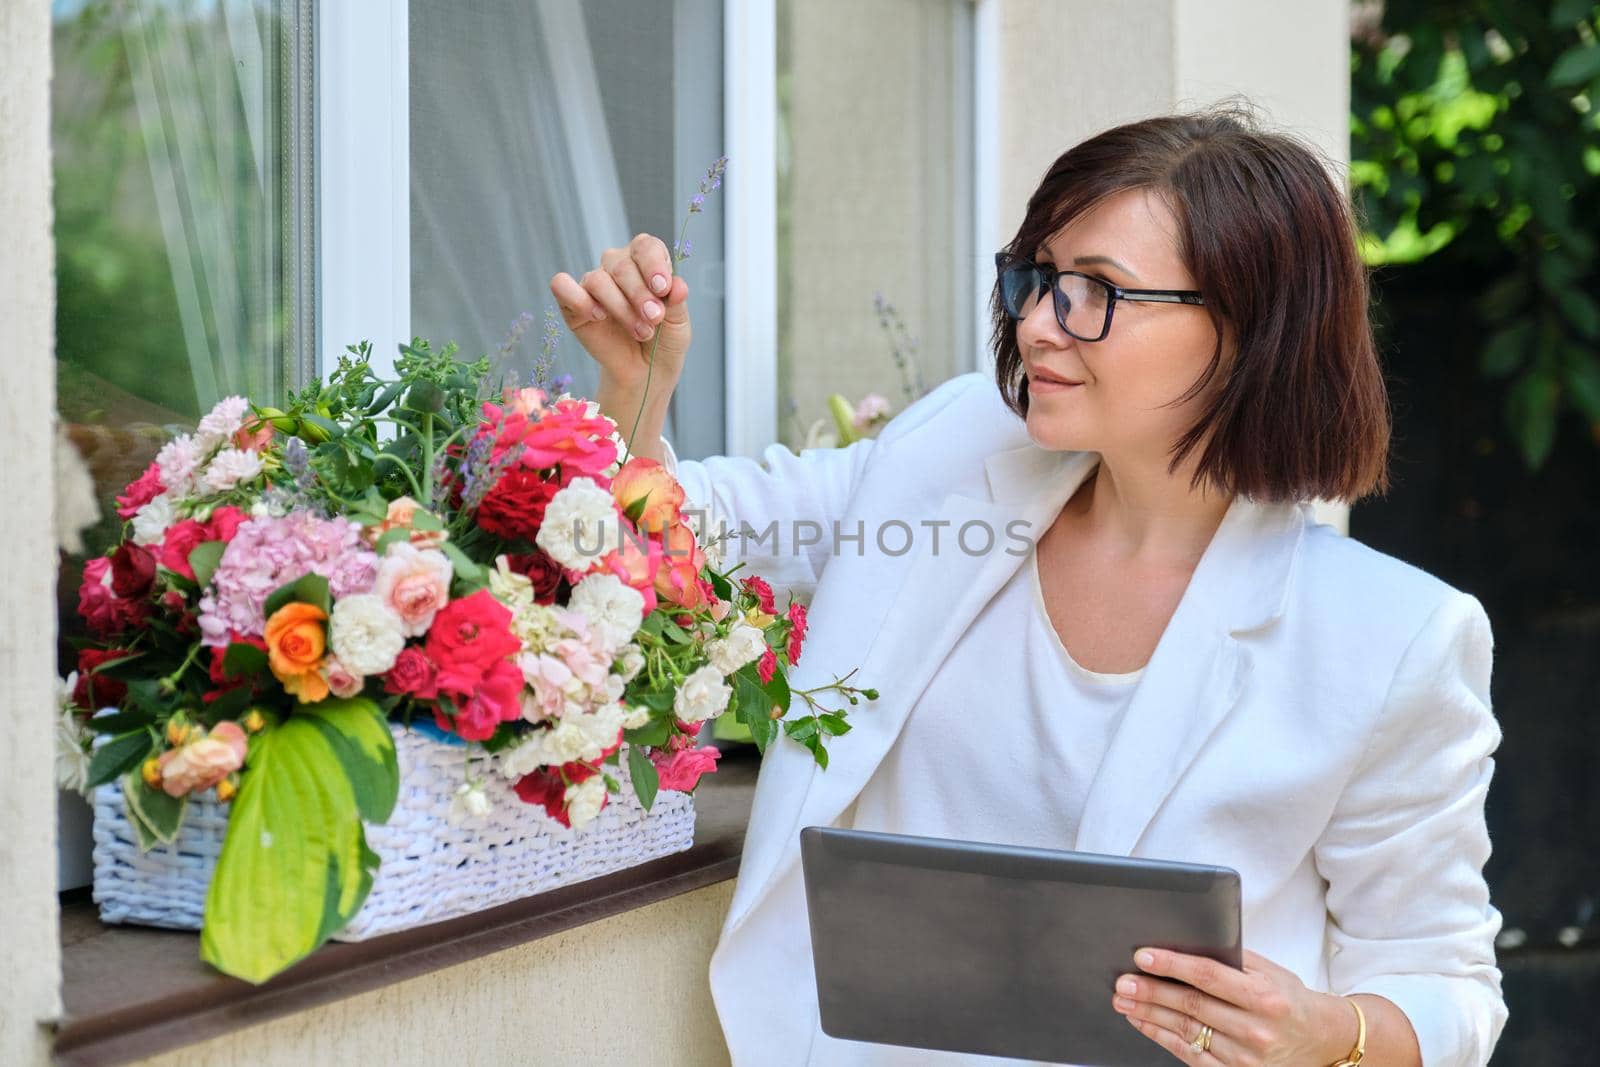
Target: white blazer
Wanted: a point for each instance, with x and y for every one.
(1315, 715)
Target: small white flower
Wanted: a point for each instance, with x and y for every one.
(72, 740)
(222, 421)
(631, 663)
(580, 525)
(702, 696)
(365, 634)
(230, 468)
(584, 801)
(613, 607)
(744, 644)
(469, 802)
(151, 521)
(636, 718)
(522, 759)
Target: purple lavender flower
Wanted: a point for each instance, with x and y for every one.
(561, 383)
(681, 250)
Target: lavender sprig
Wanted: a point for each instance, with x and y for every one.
(680, 252)
(546, 360)
(902, 348)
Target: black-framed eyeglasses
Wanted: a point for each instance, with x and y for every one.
(1083, 303)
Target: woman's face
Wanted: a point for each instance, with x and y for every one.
(1152, 354)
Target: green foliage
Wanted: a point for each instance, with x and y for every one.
(1475, 136)
(295, 865)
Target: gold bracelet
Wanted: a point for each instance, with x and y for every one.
(1353, 1057)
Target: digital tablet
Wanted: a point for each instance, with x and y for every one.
(999, 950)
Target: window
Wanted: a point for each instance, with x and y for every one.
(874, 199)
(541, 134)
(182, 247)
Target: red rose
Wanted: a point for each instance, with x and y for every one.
(797, 635)
(514, 508)
(767, 665)
(413, 674)
(96, 691)
(140, 492)
(681, 770)
(544, 572)
(467, 637)
(133, 571)
(219, 677)
(180, 540)
(547, 787)
(494, 700)
(105, 613)
(762, 591)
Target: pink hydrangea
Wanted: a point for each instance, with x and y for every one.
(266, 553)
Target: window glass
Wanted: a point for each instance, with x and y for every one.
(543, 133)
(875, 264)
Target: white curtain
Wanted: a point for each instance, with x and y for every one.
(204, 78)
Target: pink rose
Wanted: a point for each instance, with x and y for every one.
(645, 484)
(341, 683)
(415, 583)
(681, 770)
(140, 492)
(105, 613)
(496, 699)
(199, 765)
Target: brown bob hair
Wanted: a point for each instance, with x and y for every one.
(1302, 411)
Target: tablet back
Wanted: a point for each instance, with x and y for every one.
(995, 949)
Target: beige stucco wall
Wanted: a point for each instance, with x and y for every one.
(626, 990)
(30, 979)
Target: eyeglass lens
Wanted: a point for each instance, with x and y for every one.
(1080, 303)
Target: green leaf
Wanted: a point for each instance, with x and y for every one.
(653, 734)
(1575, 66)
(1583, 384)
(833, 723)
(120, 722)
(158, 814)
(777, 689)
(722, 587)
(118, 756)
(309, 589)
(763, 731)
(243, 659)
(203, 560)
(327, 426)
(426, 521)
(1581, 310)
(295, 866)
(1504, 350)
(754, 704)
(425, 397)
(360, 737)
(465, 569)
(635, 509)
(673, 632)
(800, 729)
(646, 782)
(391, 537)
(1531, 411)
(385, 398)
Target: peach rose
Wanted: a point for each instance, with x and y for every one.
(297, 638)
(340, 681)
(527, 401)
(645, 480)
(203, 763)
(402, 516)
(415, 584)
(678, 579)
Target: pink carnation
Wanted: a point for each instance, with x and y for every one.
(266, 553)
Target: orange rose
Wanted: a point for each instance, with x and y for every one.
(645, 481)
(678, 577)
(296, 642)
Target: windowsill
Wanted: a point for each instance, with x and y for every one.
(131, 992)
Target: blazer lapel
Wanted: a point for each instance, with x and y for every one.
(941, 594)
(1197, 673)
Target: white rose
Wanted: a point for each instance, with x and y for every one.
(222, 421)
(469, 802)
(744, 644)
(580, 525)
(702, 696)
(636, 718)
(522, 759)
(614, 608)
(631, 662)
(365, 634)
(584, 801)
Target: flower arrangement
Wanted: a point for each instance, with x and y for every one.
(290, 580)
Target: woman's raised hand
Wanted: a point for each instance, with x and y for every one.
(614, 312)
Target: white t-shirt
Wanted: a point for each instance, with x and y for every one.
(1001, 747)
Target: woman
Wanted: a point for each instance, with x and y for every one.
(1132, 638)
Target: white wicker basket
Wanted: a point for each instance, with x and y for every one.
(430, 871)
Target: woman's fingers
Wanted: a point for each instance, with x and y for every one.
(655, 265)
(624, 270)
(602, 286)
(577, 306)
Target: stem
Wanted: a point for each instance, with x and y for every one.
(426, 495)
(170, 682)
(406, 470)
(650, 364)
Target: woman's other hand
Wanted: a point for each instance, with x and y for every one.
(614, 312)
(1262, 1016)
